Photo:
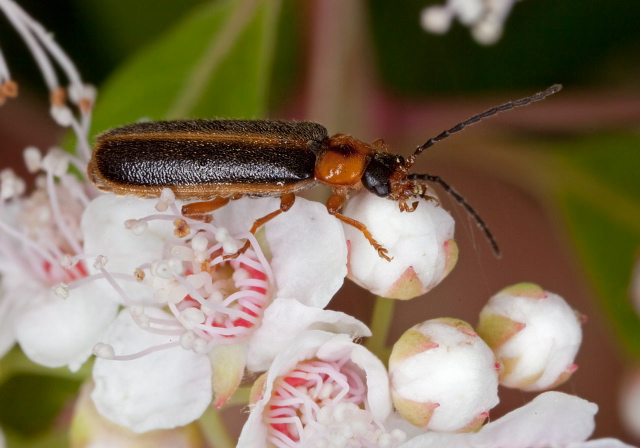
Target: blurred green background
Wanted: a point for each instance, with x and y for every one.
(558, 182)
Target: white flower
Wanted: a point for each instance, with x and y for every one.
(322, 390)
(485, 17)
(443, 376)
(45, 306)
(552, 419)
(226, 314)
(420, 242)
(535, 333)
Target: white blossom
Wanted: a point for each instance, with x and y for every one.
(229, 314)
(321, 390)
(552, 419)
(486, 18)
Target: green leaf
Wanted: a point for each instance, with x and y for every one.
(30, 403)
(599, 195)
(215, 63)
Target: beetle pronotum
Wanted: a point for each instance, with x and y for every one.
(215, 161)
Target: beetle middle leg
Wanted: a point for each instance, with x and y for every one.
(286, 202)
(334, 203)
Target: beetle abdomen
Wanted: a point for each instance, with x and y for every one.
(221, 156)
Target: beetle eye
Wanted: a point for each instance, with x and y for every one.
(376, 176)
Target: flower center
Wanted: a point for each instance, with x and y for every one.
(224, 298)
(214, 299)
(323, 404)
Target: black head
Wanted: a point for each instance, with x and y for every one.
(376, 177)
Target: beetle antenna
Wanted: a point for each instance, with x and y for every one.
(460, 126)
(463, 203)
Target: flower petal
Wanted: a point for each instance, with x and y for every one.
(105, 234)
(56, 332)
(601, 443)
(161, 390)
(283, 322)
(309, 253)
(11, 305)
(550, 419)
(308, 250)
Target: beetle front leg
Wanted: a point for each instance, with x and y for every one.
(286, 202)
(334, 203)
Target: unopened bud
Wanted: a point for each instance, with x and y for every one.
(535, 333)
(420, 243)
(443, 376)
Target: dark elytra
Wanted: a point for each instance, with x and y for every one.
(205, 152)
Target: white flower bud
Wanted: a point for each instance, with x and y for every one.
(10, 184)
(535, 333)
(420, 243)
(630, 402)
(436, 19)
(32, 158)
(443, 376)
(56, 161)
(62, 115)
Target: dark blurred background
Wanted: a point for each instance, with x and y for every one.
(369, 69)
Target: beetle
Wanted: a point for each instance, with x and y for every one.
(214, 161)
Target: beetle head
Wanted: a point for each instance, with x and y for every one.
(377, 177)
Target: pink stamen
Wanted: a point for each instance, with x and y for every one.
(302, 393)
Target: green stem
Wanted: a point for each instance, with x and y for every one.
(215, 430)
(380, 325)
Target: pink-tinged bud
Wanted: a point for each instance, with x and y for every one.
(420, 244)
(443, 376)
(630, 402)
(90, 429)
(535, 333)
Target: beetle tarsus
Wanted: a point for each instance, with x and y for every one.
(382, 252)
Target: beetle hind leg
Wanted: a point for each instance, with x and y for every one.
(201, 210)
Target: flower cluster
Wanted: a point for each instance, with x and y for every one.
(179, 319)
(485, 17)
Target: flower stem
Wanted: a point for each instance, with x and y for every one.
(215, 430)
(380, 325)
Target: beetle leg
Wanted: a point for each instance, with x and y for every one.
(286, 202)
(200, 210)
(334, 204)
(382, 252)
